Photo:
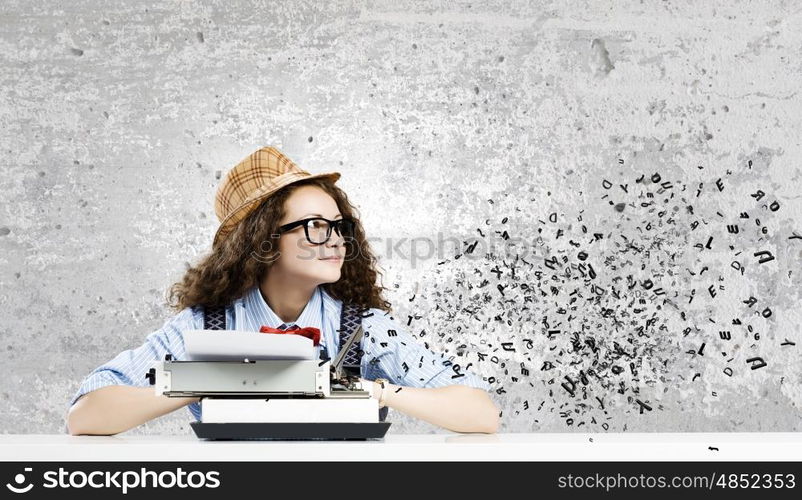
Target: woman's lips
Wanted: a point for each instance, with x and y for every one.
(335, 260)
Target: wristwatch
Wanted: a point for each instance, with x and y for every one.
(381, 382)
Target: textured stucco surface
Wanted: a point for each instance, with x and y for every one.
(474, 121)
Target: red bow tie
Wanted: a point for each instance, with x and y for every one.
(309, 332)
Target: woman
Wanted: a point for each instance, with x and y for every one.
(288, 252)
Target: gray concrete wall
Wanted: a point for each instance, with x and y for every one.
(520, 127)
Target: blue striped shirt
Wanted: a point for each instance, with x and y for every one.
(389, 350)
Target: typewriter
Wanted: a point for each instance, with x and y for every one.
(265, 399)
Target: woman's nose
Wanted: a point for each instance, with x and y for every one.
(336, 237)
(334, 240)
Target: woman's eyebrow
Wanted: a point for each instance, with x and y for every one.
(338, 215)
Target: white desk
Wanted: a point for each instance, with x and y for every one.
(751, 446)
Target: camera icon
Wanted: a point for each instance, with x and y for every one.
(19, 479)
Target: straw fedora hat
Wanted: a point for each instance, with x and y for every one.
(252, 181)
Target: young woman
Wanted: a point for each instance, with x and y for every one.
(288, 252)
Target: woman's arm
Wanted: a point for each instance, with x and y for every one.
(433, 387)
(118, 408)
(458, 408)
(117, 395)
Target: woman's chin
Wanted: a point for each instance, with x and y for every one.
(329, 275)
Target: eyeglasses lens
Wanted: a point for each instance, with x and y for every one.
(319, 230)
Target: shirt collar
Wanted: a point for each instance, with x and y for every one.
(262, 314)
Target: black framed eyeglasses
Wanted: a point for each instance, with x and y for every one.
(318, 229)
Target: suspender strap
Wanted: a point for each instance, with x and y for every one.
(345, 350)
(350, 353)
(214, 318)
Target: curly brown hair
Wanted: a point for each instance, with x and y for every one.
(240, 260)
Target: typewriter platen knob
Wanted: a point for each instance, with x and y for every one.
(168, 357)
(151, 376)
